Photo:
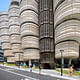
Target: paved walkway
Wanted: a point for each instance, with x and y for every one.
(52, 73)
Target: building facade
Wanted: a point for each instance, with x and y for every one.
(67, 30)
(29, 30)
(14, 30)
(4, 36)
(46, 33)
(36, 30)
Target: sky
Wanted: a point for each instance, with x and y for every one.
(4, 5)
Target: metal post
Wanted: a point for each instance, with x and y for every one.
(61, 63)
(19, 60)
(30, 63)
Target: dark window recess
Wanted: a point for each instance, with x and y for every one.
(15, 3)
(47, 57)
(46, 45)
(51, 30)
(59, 3)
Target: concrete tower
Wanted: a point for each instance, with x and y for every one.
(14, 29)
(4, 34)
(67, 29)
(29, 30)
(46, 33)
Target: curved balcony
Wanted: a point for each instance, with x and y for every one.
(11, 59)
(4, 31)
(30, 17)
(57, 3)
(14, 29)
(8, 53)
(30, 54)
(16, 48)
(28, 29)
(6, 46)
(4, 13)
(67, 10)
(69, 30)
(14, 20)
(30, 42)
(13, 6)
(14, 11)
(14, 39)
(3, 16)
(4, 25)
(71, 50)
(19, 57)
(5, 38)
(28, 5)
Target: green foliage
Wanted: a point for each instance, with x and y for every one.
(11, 64)
(36, 67)
(57, 65)
(26, 67)
(5, 59)
(29, 67)
(76, 73)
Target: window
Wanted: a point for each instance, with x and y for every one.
(15, 3)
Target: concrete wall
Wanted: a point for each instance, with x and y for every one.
(67, 30)
(14, 29)
(4, 34)
(46, 31)
(29, 29)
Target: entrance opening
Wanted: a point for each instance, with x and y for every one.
(46, 65)
(76, 64)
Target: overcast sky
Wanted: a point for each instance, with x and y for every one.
(4, 5)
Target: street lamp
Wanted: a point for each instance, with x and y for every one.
(61, 62)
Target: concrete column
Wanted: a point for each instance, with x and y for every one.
(29, 63)
(70, 60)
(62, 60)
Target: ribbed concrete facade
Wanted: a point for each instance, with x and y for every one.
(67, 28)
(14, 30)
(46, 31)
(4, 34)
(29, 29)
(34, 30)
